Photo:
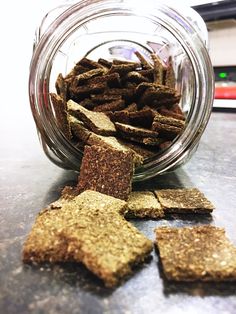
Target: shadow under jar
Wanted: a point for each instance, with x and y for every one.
(116, 29)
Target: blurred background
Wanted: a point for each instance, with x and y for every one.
(18, 20)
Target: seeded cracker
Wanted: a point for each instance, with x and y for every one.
(43, 244)
(106, 243)
(145, 64)
(110, 106)
(110, 141)
(78, 129)
(90, 229)
(158, 69)
(184, 201)
(98, 122)
(196, 253)
(106, 170)
(143, 204)
(134, 131)
(170, 74)
(167, 126)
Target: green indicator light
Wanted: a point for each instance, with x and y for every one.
(222, 74)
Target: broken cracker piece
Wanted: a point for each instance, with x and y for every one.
(184, 201)
(196, 253)
(43, 243)
(143, 204)
(106, 170)
(106, 243)
(98, 122)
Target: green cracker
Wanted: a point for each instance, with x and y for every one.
(98, 122)
(112, 142)
(106, 170)
(196, 253)
(107, 244)
(133, 131)
(184, 201)
(43, 243)
(88, 228)
(142, 204)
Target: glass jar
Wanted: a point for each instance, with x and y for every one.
(112, 29)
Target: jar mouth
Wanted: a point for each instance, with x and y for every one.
(85, 29)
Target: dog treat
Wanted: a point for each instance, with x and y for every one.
(170, 74)
(135, 77)
(90, 64)
(144, 63)
(78, 129)
(78, 93)
(98, 122)
(59, 106)
(183, 201)
(106, 170)
(105, 243)
(134, 131)
(145, 152)
(44, 243)
(170, 113)
(167, 126)
(83, 77)
(112, 80)
(158, 69)
(143, 204)
(114, 105)
(112, 142)
(107, 64)
(123, 68)
(196, 253)
(61, 87)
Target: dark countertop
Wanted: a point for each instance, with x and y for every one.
(29, 182)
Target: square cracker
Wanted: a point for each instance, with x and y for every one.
(106, 170)
(43, 244)
(98, 122)
(184, 201)
(143, 204)
(196, 253)
(106, 243)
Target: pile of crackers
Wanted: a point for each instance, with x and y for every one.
(129, 103)
(88, 223)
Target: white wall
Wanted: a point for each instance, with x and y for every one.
(222, 43)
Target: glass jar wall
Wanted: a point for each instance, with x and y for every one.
(116, 29)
